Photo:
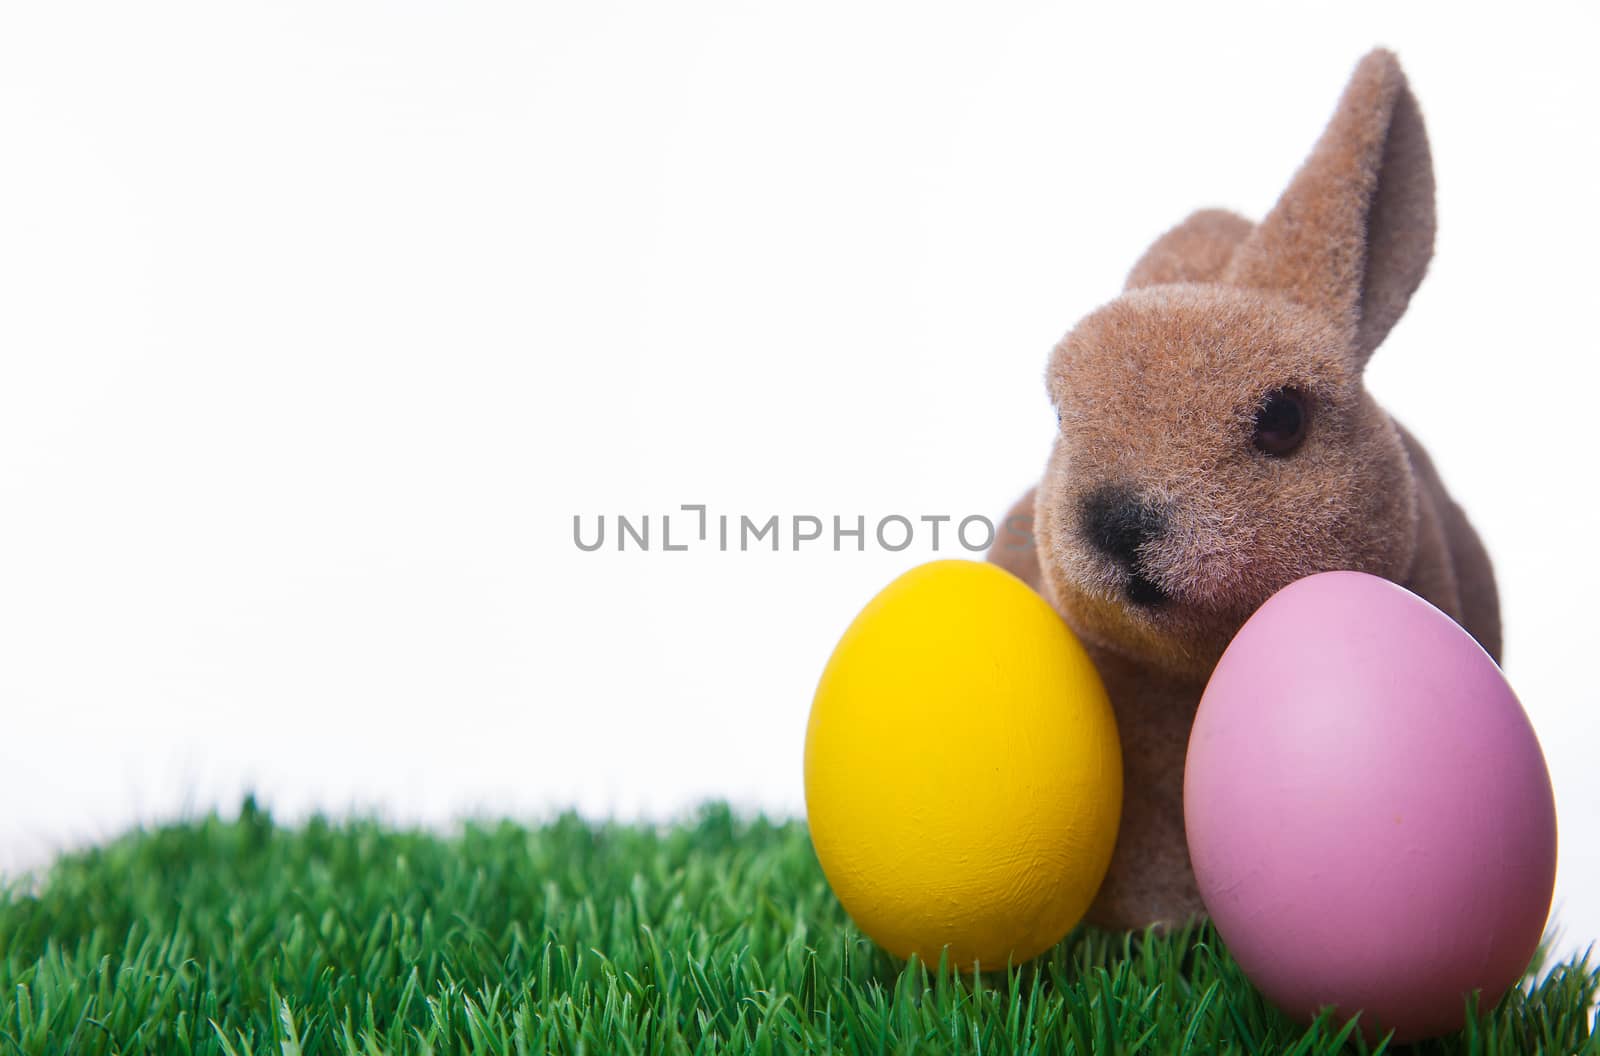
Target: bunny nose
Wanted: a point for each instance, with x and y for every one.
(1118, 523)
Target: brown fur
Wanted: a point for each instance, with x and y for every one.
(1157, 392)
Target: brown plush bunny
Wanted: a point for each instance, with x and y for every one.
(1217, 443)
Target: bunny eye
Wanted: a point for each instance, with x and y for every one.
(1280, 424)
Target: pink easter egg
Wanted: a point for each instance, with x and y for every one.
(1368, 811)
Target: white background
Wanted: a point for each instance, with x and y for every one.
(319, 322)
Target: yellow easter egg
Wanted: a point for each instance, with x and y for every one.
(963, 775)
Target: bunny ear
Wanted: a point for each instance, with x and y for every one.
(1197, 250)
(1353, 234)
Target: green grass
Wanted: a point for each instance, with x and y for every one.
(717, 935)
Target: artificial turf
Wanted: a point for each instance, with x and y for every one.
(718, 934)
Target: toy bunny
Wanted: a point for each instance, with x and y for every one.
(1217, 443)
